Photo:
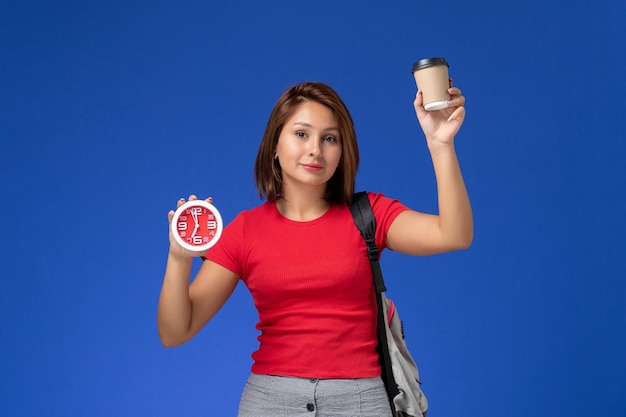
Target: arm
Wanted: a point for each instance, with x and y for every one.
(424, 234)
(184, 309)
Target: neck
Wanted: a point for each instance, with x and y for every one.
(302, 204)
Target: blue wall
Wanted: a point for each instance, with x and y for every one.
(112, 111)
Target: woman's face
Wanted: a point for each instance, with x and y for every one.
(309, 147)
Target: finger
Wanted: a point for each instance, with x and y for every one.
(419, 102)
(193, 197)
(209, 200)
(180, 202)
(170, 216)
(456, 101)
(454, 91)
(458, 115)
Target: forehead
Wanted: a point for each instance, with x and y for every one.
(314, 114)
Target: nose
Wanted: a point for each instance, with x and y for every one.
(314, 147)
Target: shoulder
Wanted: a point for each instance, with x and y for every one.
(382, 204)
(385, 210)
(249, 215)
(239, 235)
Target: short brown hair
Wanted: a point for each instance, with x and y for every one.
(340, 187)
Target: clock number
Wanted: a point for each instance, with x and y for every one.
(182, 226)
(211, 224)
(197, 240)
(195, 210)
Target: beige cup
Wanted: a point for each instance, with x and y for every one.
(431, 77)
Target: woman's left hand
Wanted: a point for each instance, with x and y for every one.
(441, 126)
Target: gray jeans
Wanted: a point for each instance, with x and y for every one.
(277, 396)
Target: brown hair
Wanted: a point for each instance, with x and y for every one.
(340, 187)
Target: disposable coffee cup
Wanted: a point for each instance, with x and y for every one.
(431, 77)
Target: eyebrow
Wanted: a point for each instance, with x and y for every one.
(304, 124)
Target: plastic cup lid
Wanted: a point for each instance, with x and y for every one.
(429, 62)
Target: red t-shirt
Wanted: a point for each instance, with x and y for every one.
(311, 283)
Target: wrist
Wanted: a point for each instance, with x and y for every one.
(180, 256)
(438, 148)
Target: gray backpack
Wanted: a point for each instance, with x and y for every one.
(399, 372)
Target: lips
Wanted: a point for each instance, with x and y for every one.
(312, 167)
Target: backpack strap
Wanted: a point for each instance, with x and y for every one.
(366, 223)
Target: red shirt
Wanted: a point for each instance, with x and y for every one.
(311, 283)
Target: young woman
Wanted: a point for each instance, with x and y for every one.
(304, 261)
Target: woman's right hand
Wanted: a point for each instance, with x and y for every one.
(175, 248)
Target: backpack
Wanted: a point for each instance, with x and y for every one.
(399, 371)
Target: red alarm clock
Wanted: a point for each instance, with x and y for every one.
(197, 225)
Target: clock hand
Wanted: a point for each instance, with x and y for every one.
(194, 214)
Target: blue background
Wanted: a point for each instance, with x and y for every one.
(111, 111)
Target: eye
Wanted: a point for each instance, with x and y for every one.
(330, 139)
(301, 134)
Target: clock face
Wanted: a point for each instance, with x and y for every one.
(197, 225)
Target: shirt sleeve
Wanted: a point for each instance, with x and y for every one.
(385, 211)
(228, 251)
